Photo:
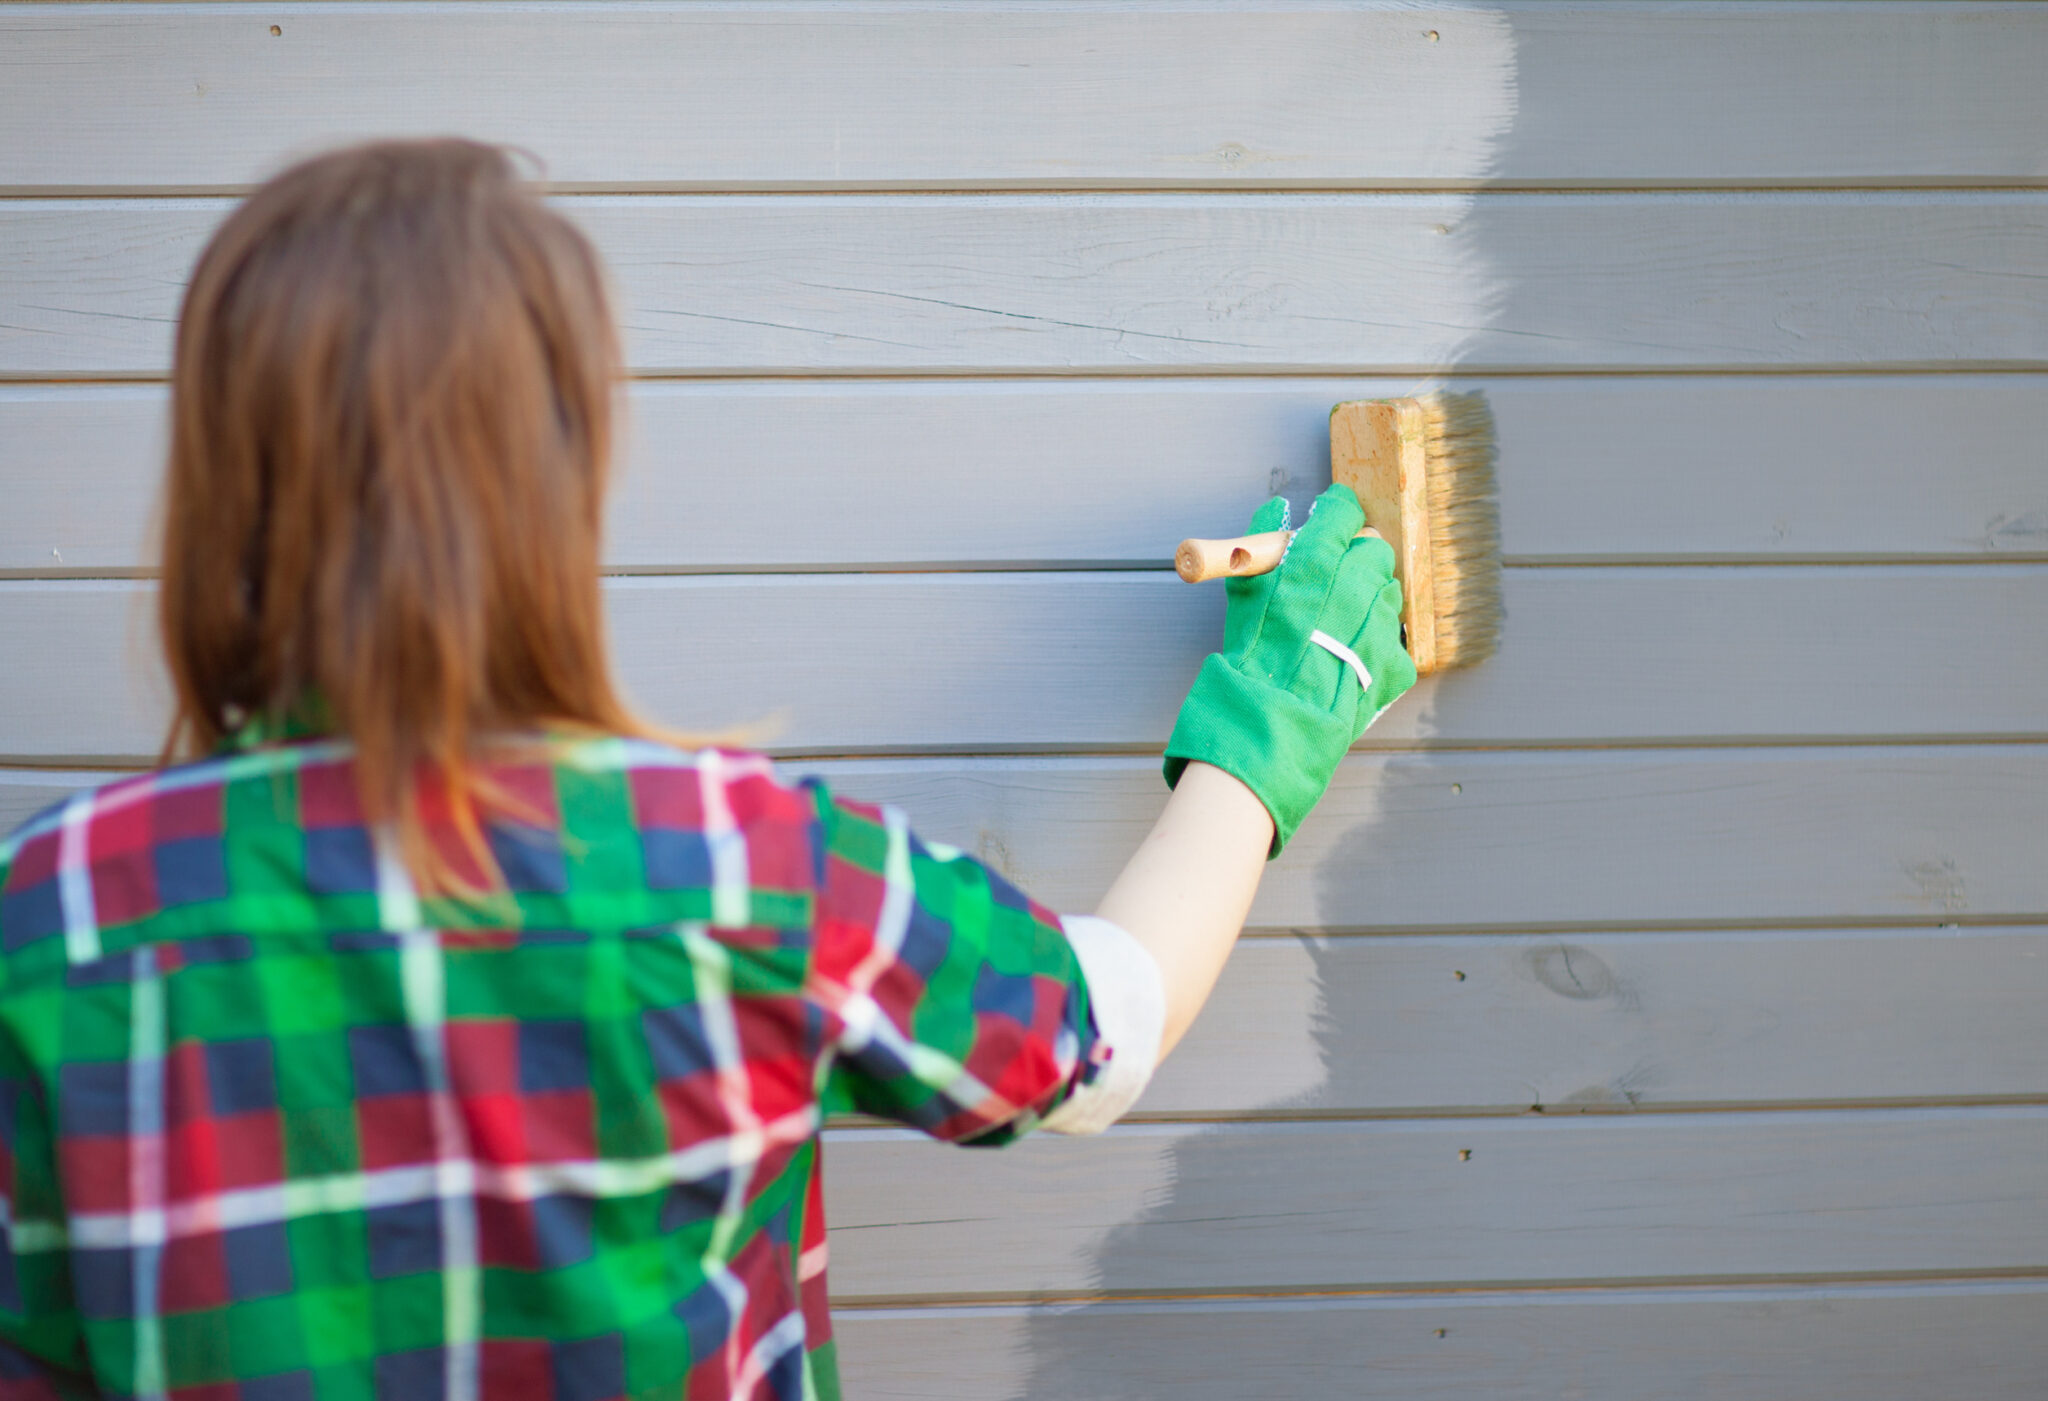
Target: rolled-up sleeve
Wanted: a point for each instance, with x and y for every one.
(959, 1006)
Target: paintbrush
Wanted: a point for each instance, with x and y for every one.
(1423, 469)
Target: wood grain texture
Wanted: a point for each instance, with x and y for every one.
(1232, 1207)
(991, 661)
(1615, 1021)
(1134, 283)
(741, 96)
(1868, 1343)
(936, 472)
(1486, 839)
(1922, 835)
(1068, 660)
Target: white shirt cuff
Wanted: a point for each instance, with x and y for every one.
(1128, 999)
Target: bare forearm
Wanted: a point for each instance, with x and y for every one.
(1185, 893)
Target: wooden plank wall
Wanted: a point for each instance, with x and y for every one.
(1655, 1012)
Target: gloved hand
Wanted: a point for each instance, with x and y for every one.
(1279, 705)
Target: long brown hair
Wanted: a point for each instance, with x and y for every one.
(390, 427)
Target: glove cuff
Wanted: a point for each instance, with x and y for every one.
(1269, 739)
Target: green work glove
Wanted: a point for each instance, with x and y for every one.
(1279, 705)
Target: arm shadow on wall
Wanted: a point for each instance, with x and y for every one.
(1482, 310)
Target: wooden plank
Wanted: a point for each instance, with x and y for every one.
(1615, 1021)
(1921, 836)
(26, 792)
(1755, 468)
(1619, 838)
(1868, 1343)
(1230, 1208)
(1133, 283)
(1065, 660)
(747, 96)
(1070, 660)
(1109, 472)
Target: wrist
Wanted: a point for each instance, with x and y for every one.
(1226, 803)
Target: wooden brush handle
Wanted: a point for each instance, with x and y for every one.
(1198, 561)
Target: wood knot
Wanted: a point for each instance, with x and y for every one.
(1571, 971)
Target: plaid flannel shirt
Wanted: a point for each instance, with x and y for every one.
(274, 1127)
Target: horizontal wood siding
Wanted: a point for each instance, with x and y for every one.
(858, 95)
(1867, 1343)
(987, 474)
(1063, 284)
(1676, 656)
(1925, 834)
(1596, 1022)
(1653, 1012)
(1234, 1208)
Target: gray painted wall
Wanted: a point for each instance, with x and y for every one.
(1655, 1012)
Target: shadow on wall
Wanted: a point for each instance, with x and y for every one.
(1201, 1178)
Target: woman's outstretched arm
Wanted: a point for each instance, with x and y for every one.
(1311, 656)
(1186, 891)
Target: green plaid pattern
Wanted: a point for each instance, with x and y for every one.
(273, 1126)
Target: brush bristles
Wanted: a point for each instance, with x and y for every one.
(1464, 526)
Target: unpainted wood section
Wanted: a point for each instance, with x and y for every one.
(917, 473)
(1377, 449)
(1873, 1343)
(1598, 1022)
(1925, 835)
(991, 661)
(1144, 283)
(1237, 1207)
(737, 96)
